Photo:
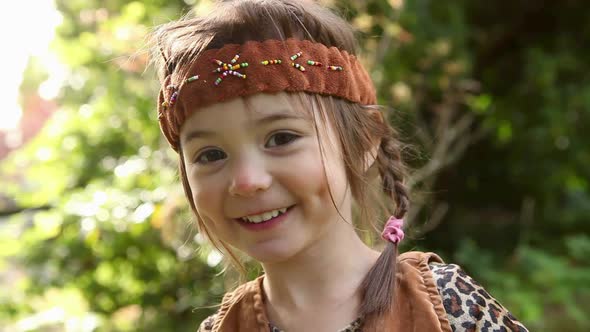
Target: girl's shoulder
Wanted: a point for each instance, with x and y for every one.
(468, 305)
(229, 299)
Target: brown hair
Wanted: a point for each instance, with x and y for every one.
(359, 127)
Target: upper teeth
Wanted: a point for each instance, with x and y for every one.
(264, 216)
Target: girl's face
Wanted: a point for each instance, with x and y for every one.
(248, 160)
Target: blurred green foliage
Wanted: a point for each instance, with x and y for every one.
(495, 94)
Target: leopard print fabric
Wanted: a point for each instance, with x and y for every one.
(207, 324)
(468, 306)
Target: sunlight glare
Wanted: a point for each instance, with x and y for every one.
(37, 28)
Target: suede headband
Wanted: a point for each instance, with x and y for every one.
(270, 66)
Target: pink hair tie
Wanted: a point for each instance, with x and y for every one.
(393, 230)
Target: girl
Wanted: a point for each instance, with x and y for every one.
(278, 136)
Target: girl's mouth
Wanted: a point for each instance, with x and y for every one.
(265, 220)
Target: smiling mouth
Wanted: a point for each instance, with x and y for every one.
(266, 216)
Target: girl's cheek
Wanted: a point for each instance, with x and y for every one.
(207, 196)
(306, 173)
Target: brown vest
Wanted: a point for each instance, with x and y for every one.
(417, 306)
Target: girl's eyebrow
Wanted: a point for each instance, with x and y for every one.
(282, 115)
(198, 134)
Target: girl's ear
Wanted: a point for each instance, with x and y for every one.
(371, 154)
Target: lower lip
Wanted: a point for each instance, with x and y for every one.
(266, 224)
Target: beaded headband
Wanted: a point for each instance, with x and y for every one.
(270, 66)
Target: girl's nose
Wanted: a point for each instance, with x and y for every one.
(249, 178)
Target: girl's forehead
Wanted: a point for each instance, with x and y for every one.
(263, 104)
(256, 108)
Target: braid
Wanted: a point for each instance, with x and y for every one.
(380, 283)
(393, 172)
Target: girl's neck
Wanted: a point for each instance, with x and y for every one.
(328, 273)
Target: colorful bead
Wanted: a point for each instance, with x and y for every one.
(298, 66)
(271, 62)
(226, 67)
(165, 105)
(192, 78)
(173, 98)
(235, 73)
(229, 69)
(314, 63)
(335, 68)
(296, 56)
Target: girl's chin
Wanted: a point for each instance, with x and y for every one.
(271, 253)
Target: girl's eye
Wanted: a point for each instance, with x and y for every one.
(281, 139)
(210, 156)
